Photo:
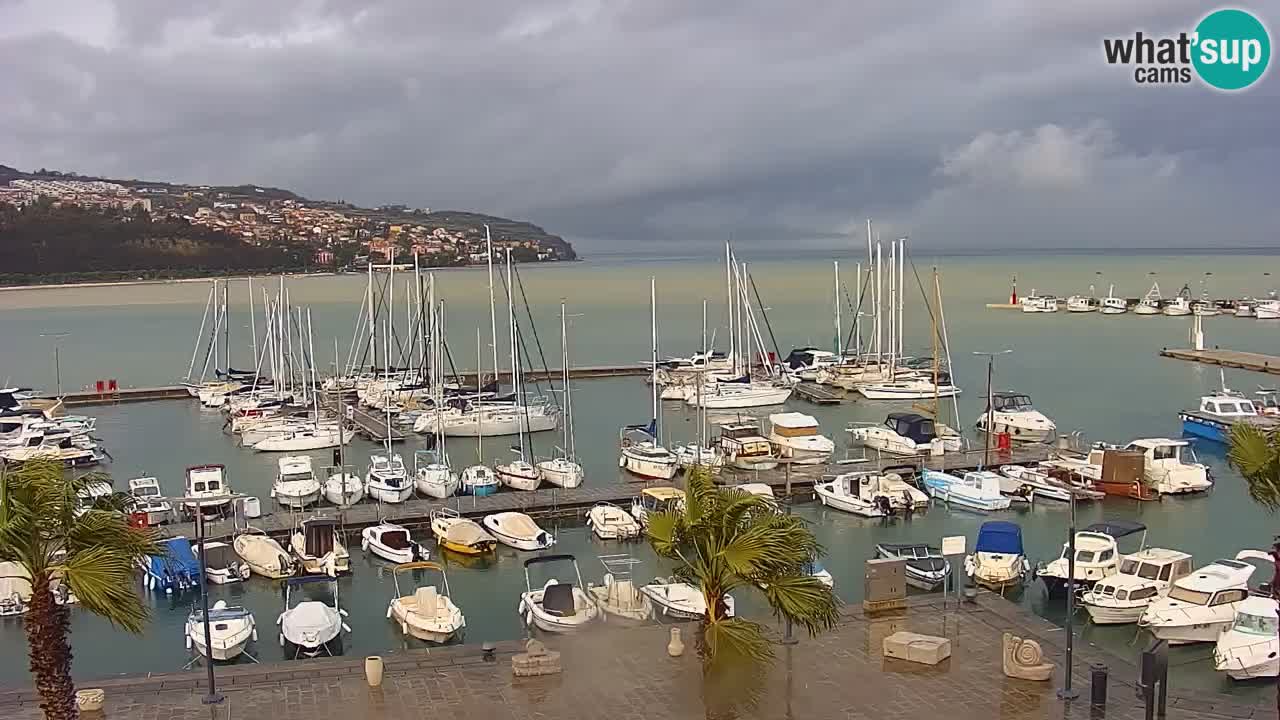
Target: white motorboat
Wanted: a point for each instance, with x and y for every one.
(15, 589)
(744, 447)
(1034, 303)
(387, 480)
(1112, 305)
(1164, 469)
(1150, 303)
(1082, 304)
(1267, 309)
(296, 485)
(1143, 577)
(317, 546)
(642, 455)
(870, 494)
(428, 614)
(797, 438)
(392, 543)
(610, 522)
(432, 474)
(1177, 306)
(680, 600)
(1205, 308)
(919, 388)
(978, 490)
(1012, 413)
(207, 487)
(89, 497)
(461, 535)
(311, 437)
(148, 499)
(263, 555)
(557, 607)
(230, 631)
(691, 455)
(222, 565)
(733, 395)
(805, 363)
(1244, 309)
(1202, 605)
(1043, 485)
(905, 434)
(926, 568)
(1097, 556)
(1250, 648)
(617, 597)
(654, 500)
(310, 628)
(517, 530)
(518, 475)
(343, 489)
(998, 561)
(479, 480)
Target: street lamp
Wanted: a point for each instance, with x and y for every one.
(57, 360)
(991, 361)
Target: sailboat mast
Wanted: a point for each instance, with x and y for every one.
(493, 316)
(386, 352)
(226, 329)
(476, 408)
(372, 321)
(857, 314)
(564, 378)
(879, 315)
(253, 328)
(729, 303)
(511, 320)
(902, 290)
(893, 309)
(195, 351)
(835, 297)
(653, 336)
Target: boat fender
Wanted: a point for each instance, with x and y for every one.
(404, 628)
(528, 618)
(254, 634)
(346, 628)
(364, 544)
(281, 639)
(188, 642)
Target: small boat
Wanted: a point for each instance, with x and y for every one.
(432, 475)
(797, 439)
(518, 475)
(680, 600)
(479, 480)
(1205, 308)
(805, 363)
(1250, 648)
(745, 448)
(343, 489)
(318, 548)
(92, 496)
(263, 555)
(230, 631)
(1143, 577)
(459, 534)
(1043, 485)
(428, 614)
(870, 494)
(1034, 303)
(1244, 309)
(562, 472)
(392, 543)
(1082, 304)
(557, 607)
(1268, 402)
(207, 487)
(642, 455)
(998, 560)
(821, 574)
(656, 500)
(1012, 414)
(610, 522)
(691, 455)
(176, 570)
(1112, 305)
(978, 490)
(387, 480)
(1178, 306)
(1219, 411)
(221, 563)
(1164, 469)
(1200, 606)
(617, 596)
(310, 628)
(1097, 556)
(904, 433)
(15, 589)
(920, 388)
(148, 499)
(927, 569)
(1150, 303)
(517, 530)
(296, 485)
(1267, 309)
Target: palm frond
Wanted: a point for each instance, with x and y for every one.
(1256, 454)
(804, 600)
(664, 533)
(104, 580)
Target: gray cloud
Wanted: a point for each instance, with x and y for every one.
(977, 124)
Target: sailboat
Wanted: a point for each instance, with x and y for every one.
(387, 479)
(479, 479)
(564, 471)
(432, 474)
(642, 451)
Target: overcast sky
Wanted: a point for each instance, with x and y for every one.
(979, 124)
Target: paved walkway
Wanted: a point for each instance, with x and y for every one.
(626, 675)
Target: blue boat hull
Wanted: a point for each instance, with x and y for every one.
(1204, 428)
(481, 490)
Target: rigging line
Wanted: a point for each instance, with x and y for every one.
(857, 311)
(521, 346)
(927, 305)
(532, 326)
(768, 326)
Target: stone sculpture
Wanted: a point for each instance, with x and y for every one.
(1024, 660)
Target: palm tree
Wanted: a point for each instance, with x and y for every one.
(725, 540)
(95, 554)
(1256, 454)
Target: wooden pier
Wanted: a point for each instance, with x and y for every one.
(124, 395)
(819, 394)
(1257, 362)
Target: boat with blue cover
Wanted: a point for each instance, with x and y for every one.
(998, 560)
(175, 570)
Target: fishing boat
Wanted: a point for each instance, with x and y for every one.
(617, 597)
(342, 488)
(1112, 305)
(1082, 304)
(1221, 410)
(978, 490)
(1179, 305)
(1250, 648)
(557, 607)
(1150, 303)
(742, 446)
(1144, 576)
(1012, 414)
(680, 600)
(797, 438)
(310, 628)
(610, 522)
(432, 475)
(1267, 309)
(206, 486)
(263, 555)
(905, 433)
(318, 547)
(230, 631)
(296, 485)
(175, 569)
(1034, 303)
(998, 561)
(222, 566)
(387, 480)
(653, 500)
(1202, 605)
(926, 570)
(459, 534)
(1097, 556)
(870, 494)
(479, 480)
(392, 543)
(428, 614)
(1045, 486)
(517, 530)
(147, 498)
(1244, 309)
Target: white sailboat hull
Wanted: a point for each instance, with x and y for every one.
(437, 481)
(561, 472)
(648, 467)
(344, 490)
(753, 397)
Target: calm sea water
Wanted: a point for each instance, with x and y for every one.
(1098, 374)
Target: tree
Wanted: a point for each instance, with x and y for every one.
(724, 540)
(96, 556)
(1256, 454)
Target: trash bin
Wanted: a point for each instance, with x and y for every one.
(252, 507)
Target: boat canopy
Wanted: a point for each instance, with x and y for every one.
(177, 564)
(918, 428)
(1117, 528)
(999, 537)
(561, 557)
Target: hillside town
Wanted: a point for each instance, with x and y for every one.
(336, 234)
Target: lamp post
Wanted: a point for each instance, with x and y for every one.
(57, 359)
(1067, 693)
(991, 361)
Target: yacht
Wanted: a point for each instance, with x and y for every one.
(518, 474)
(1250, 648)
(1034, 303)
(387, 479)
(905, 434)
(1112, 305)
(978, 490)
(998, 561)
(797, 438)
(1097, 555)
(1164, 469)
(1013, 414)
(1143, 577)
(206, 485)
(870, 494)
(743, 446)
(1150, 303)
(1082, 304)
(296, 485)
(1201, 605)
(642, 455)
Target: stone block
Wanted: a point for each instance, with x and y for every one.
(917, 648)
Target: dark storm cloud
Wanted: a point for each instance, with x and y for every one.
(984, 123)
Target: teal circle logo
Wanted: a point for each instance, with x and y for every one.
(1232, 49)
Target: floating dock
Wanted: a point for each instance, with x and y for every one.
(819, 394)
(124, 395)
(1257, 362)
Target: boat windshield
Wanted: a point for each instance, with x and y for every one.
(1013, 403)
(296, 476)
(1257, 625)
(1193, 597)
(1165, 452)
(1146, 571)
(147, 491)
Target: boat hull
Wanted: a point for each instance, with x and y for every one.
(647, 468)
(849, 505)
(1207, 428)
(1189, 634)
(386, 494)
(1101, 615)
